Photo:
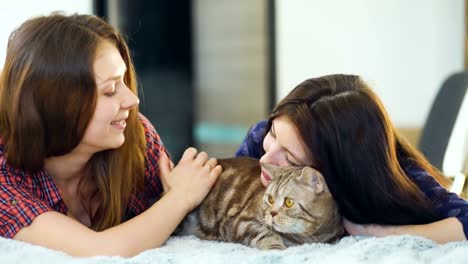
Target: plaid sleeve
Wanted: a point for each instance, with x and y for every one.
(154, 147)
(18, 209)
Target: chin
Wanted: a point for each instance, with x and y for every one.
(117, 143)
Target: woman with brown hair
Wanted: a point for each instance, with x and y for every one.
(80, 167)
(382, 185)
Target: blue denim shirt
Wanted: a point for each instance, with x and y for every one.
(446, 204)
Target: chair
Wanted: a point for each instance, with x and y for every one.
(463, 186)
(444, 138)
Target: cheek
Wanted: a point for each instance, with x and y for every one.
(94, 130)
(101, 119)
(105, 111)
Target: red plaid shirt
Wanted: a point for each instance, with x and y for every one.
(25, 195)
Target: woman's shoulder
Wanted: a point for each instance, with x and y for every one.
(22, 199)
(258, 131)
(15, 178)
(154, 143)
(260, 126)
(252, 145)
(8, 173)
(147, 125)
(151, 134)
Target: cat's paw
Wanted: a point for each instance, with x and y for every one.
(277, 247)
(269, 245)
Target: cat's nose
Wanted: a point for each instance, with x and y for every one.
(273, 213)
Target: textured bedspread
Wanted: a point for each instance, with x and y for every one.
(394, 249)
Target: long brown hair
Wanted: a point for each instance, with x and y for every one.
(47, 98)
(361, 155)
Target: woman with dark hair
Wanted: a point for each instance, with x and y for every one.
(80, 166)
(382, 185)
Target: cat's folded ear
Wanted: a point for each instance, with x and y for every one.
(313, 178)
(270, 169)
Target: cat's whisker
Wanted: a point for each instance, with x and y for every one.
(308, 236)
(294, 229)
(301, 234)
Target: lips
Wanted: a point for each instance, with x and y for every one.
(266, 176)
(119, 124)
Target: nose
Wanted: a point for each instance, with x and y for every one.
(130, 100)
(267, 158)
(274, 155)
(273, 213)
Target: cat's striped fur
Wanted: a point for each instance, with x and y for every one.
(239, 209)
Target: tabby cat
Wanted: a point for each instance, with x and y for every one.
(296, 208)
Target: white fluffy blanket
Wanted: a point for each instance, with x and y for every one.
(394, 249)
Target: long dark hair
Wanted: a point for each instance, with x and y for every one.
(47, 98)
(361, 155)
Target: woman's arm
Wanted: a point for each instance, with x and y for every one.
(442, 231)
(448, 206)
(189, 183)
(147, 230)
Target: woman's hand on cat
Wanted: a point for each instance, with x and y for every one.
(192, 178)
(163, 163)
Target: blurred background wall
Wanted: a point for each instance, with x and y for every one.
(231, 71)
(209, 69)
(160, 36)
(13, 13)
(404, 49)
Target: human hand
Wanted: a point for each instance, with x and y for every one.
(167, 165)
(191, 179)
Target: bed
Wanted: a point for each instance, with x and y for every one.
(392, 249)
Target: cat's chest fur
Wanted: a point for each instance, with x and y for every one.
(235, 210)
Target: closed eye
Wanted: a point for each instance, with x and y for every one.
(292, 163)
(110, 94)
(111, 90)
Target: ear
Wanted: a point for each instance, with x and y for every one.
(270, 169)
(313, 178)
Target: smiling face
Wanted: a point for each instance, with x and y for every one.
(283, 147)
(114, 101)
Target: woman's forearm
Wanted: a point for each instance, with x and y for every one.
(442, 231)
(147, 230)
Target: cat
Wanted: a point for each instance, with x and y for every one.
(294, 209)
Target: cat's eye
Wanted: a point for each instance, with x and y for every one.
(271, 200)
(288, 202)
